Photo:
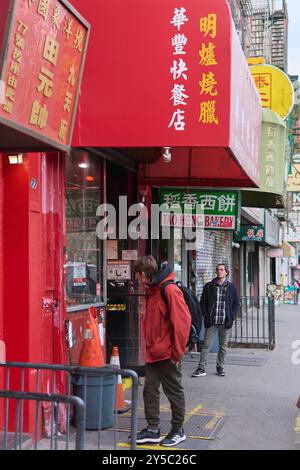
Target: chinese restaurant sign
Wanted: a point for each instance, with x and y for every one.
(174, 84)
(43, 61)
(267, 233)
(251, 233)
(208, 81)
(208, 209)
(275, 89)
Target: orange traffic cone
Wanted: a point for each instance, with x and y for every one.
(122, 407)
(91, 354)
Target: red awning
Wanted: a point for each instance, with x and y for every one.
(167, 74)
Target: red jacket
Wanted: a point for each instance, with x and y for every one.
(166, 326)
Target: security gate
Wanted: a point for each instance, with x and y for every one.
(255, 324)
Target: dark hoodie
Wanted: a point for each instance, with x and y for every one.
(166, 325)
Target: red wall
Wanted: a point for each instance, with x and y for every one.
(15, 262)
(2, 344)
(32, 197)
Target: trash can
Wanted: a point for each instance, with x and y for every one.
(96, 386)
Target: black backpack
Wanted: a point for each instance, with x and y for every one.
(193, 305)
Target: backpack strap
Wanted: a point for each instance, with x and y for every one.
(163, 288)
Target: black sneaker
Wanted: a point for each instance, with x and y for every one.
(173, 438)
(221, 372)
(199, 372)
(148, 436)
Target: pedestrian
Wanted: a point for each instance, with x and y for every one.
(219, 304)
(166, 331)
(297, 287)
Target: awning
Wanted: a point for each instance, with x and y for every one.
(285, 250)
(170, 75)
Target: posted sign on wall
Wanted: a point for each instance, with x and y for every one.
(42, 62)
(206, 209)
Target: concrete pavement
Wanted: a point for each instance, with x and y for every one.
(257, 400)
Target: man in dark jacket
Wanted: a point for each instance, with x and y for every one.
(166, 331)
(220, 305)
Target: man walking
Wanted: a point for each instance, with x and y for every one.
(219, 304)
(166, 330)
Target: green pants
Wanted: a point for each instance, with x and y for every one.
(170, 376)
(210, 333)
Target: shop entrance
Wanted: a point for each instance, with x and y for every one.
(175, 251)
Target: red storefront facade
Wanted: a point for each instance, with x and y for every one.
(179, 80)
(41, 68)
(167, 74)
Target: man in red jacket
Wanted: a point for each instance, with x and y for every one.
(166, 330)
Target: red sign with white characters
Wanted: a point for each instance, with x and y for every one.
(44, 58)
(160, 73)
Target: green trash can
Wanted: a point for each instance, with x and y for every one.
(98, 415)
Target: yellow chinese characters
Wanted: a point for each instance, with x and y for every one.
(207, 55)
(208, 84)
(55, 18)
(51, 49)
(208, 113)
(208, 25)
(43, 8)
(38, 115)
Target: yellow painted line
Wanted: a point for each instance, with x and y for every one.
(297, 427)
(195, 410)
(153, 447)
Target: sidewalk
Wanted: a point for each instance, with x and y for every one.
(253, 407)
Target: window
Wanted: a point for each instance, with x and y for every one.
(84, 263)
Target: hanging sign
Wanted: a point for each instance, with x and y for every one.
(275, 89)
(206, 209)
(42, 64)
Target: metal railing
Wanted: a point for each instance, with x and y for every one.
(53, 417)
(255, 324)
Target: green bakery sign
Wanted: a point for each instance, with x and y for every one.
(205, 208)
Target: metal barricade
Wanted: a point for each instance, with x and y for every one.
(55, 420)
(38, 398)
(255, 324)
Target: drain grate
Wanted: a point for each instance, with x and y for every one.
(231, 360)
(197, 426)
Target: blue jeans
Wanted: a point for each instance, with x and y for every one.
(210, 332)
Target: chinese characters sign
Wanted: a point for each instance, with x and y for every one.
(251, 233)
(42, 72)
(273, 165)
(173, 86)
(267, 233)
(208, 209)
(179, 70)
(275, 89)
(208, 83)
